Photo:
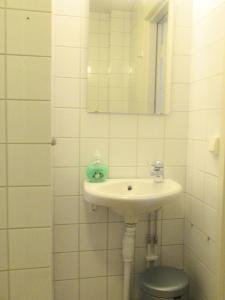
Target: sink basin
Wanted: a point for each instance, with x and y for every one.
(131, 197)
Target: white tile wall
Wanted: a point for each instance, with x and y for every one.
(28, 77)
(2, 31)
(91, 266)
(25, 192)
(24, 32)
(66, 265)
(205, 116)
(29, 164)
(22, 121)
(42, 5)
(96, 288)
(67, 289)
(2, 77)
(25, 205)
(29, 248)
(4, 285)
(26, 283)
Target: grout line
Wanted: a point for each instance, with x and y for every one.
(27, 10)
(29, 100)
(26, 55)
(28, 268)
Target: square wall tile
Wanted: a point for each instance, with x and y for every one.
(183, 15)
(29, 248)
(66, 210)
(67, 7)
(175, 152)
(178, 174)
(94, 125)
(2, 122)
(2, 30)
(172, 231)
(29, 121)
(172, 256)
(29, 165)
(3, 165)
(88, 148)
(83, 93)
(3, 208)
(180, 97)
(66, 152)
(149, 150)
(66, 289)
(115, 262)
(151, 127)
(66, 122)
(84, 62)
(28, 78)
(2, 76)
(24, 284)
(3, 250)
(93, 288)
(122, 172)
(93, 264)
(115, 235)
(182, 40)
(66, 265)
(25, 30)
(140, 262)
(115, 288)
(123, 127)
(66, 92)
(66, 62)
(66, 238)
(122, 152)
(84, 32)
(44, 5)
(174, 210)
(66, 31)
(181, 69)
(141, 231)
(211, 190)
(66, 181)
(93, 236)
(197, 125)
(4, 284)
(29, 207)
(177, 125)
(89, 216)
(2, 3)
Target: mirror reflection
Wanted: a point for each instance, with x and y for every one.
(128, 56)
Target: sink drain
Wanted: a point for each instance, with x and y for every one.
(129, 188)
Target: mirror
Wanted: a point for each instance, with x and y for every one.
(129, 56)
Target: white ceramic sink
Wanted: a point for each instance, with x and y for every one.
(131, 197)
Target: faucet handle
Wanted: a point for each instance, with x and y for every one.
(158, 164)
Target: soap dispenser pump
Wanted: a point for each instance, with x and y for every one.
(97, 171)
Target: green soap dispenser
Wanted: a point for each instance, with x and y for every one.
(97, 171)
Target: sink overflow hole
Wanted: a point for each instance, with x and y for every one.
(129, 188)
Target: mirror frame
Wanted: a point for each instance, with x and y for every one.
(152, 18)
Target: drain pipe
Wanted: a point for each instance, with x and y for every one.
(128, 257)
(152, 240)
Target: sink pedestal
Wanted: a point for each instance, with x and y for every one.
(128, 257)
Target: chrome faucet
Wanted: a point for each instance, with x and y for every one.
(158, 171)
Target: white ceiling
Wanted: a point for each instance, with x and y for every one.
(108, 5)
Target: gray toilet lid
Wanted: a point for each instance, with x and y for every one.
(164, 282)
